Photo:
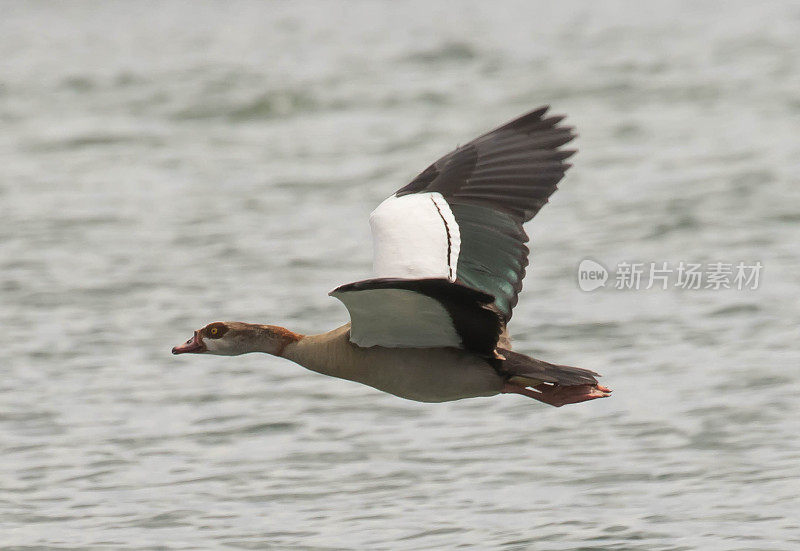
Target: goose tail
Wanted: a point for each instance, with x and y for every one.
(553, 384)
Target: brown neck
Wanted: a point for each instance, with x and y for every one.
(285, 338)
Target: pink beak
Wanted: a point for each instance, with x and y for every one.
(193, 345)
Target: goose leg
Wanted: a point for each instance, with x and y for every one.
(557, 395)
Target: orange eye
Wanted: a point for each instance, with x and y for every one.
(215, 330)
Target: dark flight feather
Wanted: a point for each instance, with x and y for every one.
(494, 184)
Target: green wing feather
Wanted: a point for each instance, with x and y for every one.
(494, 184)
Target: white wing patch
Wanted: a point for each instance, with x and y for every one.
(415, 237)
(398, 318)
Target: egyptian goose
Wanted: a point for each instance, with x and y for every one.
(449, 259)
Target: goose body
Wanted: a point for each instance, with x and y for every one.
(421, 374)
(449, 260)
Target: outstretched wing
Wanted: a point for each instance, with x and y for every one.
(458, 225)
(493, 185)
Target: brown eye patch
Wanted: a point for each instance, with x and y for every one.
(215, 330)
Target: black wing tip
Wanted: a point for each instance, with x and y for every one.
(533, 117)
(535, 113)
(538, 115)
(549, 131)
(541, 110)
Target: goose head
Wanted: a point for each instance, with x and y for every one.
(232, 338)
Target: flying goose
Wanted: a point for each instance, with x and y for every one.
(449, 259)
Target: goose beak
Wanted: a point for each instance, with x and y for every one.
(193, 345)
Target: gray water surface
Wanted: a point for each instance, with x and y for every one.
(165, 165)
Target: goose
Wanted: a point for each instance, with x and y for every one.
(449, 257)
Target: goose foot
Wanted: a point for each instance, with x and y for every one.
(558, 395)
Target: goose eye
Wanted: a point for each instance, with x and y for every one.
(215, 331)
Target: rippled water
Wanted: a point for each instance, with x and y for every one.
(165, 165)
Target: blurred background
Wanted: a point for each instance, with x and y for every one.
(165, 165)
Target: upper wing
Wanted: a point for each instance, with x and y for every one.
(462, 217)
(449, 248)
